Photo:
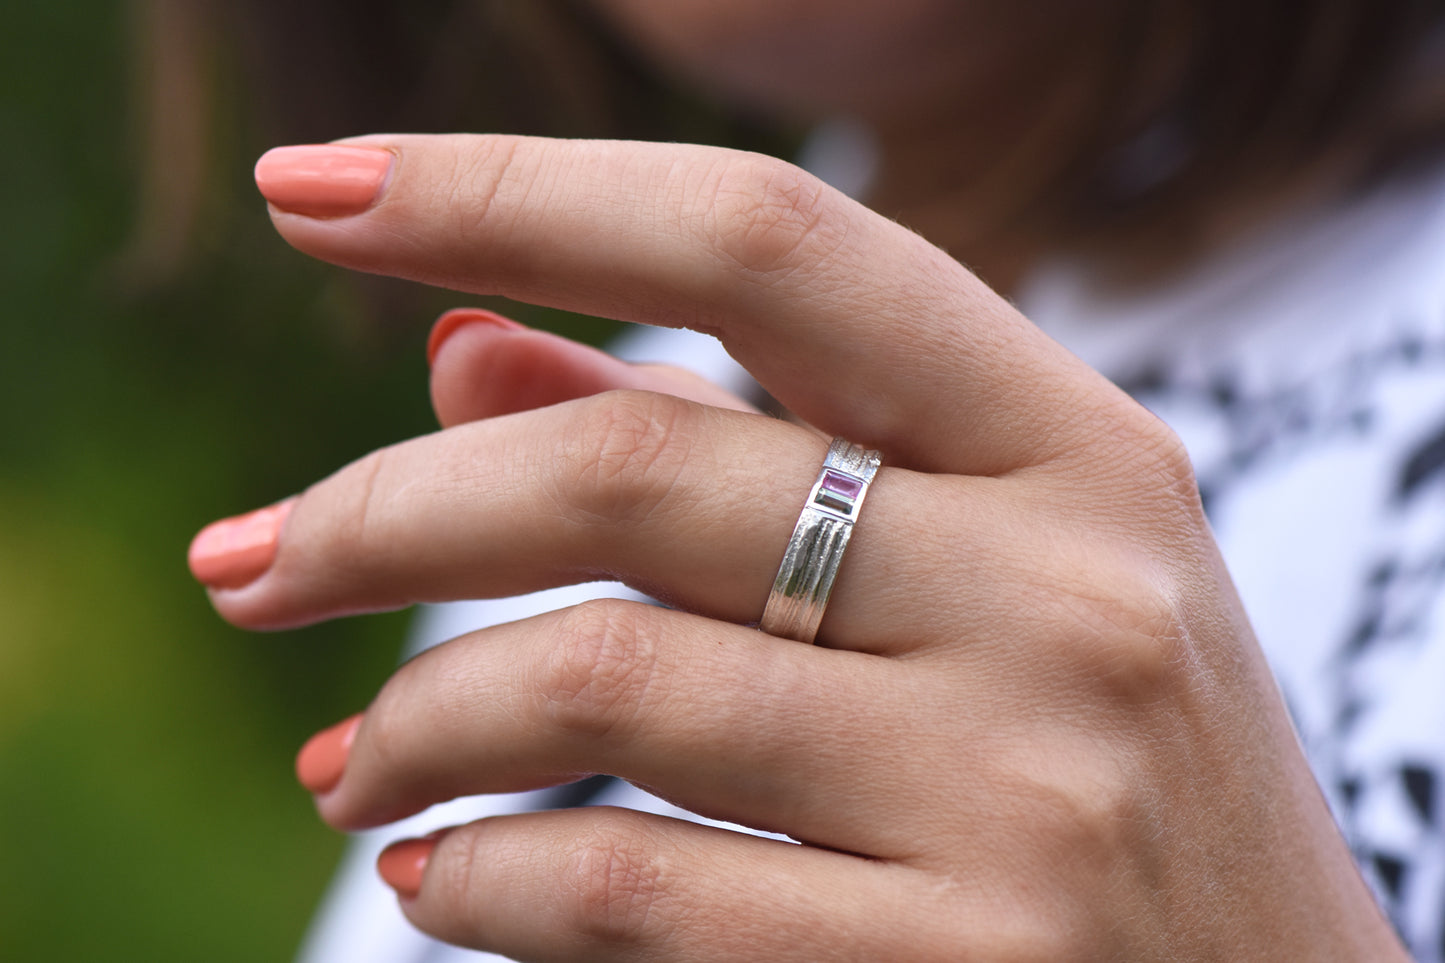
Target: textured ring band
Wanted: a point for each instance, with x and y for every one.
(805, 577)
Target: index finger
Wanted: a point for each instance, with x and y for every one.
(850, 320)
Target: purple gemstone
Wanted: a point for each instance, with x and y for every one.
(838, 491)
(838, 484)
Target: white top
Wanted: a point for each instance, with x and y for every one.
(1306, 374)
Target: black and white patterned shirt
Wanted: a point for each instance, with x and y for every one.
(1305, 373)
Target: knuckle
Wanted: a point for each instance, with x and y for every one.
(357, 499)
(1130, 634)
(468, 874)
(1158, 463)
(389, 727)
(1095, 805)
(597, 675)
(768, 217)
(476, 190)
(1026, 923)
(1166, 459)
(625, 456)
(616, 882)
(1077, 815)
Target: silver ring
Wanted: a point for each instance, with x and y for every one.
(805, 578)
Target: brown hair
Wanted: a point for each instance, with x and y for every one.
(1203, 113)
(218, 83)
(1266, 101)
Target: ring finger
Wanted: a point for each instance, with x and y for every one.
(693, 505)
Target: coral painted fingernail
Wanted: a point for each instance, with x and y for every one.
(448, 324)
(323, 180)
(402, 864)
(234, 552)
(322, 760)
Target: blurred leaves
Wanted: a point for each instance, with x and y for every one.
(147, 806)
(166, 360)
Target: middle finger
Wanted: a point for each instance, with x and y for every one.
(891, 334)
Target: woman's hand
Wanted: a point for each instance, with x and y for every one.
(1036, 725)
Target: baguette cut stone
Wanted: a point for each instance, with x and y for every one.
(838, 491)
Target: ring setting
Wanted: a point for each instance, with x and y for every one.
(810, 564)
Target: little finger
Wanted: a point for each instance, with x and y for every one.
(604, 884)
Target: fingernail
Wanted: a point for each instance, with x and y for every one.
(234, 552)
(323, 180)
(322, 760)
(448, 324)
(402, 864)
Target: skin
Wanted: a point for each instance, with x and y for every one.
(826, 55)
(1036, 725)
(975, 107)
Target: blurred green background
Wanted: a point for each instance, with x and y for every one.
(147, 811)
(165, 360)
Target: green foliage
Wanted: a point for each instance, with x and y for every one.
(147, 805)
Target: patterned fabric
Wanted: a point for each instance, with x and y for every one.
(1306, 376)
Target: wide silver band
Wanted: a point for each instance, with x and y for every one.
(805, 578)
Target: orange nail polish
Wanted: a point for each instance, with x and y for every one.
(322, 760)
(235, 552)
(323, 180)
(448, 324)
(403, 864)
